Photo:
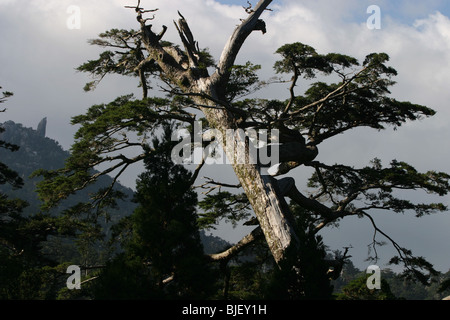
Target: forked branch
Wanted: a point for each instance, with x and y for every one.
(236, 41)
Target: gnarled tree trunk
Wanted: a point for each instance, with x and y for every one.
(208, 92)
(271, 210)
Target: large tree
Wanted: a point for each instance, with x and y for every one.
(217, 93)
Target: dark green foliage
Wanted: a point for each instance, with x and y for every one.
(9, 176)
(357, 290)
(254, 274)
(376, 185)
(310, 279)
(128, 57)
(163, 237)
(140, 116)
(124, 60)
(415, 267)
(126, 278)
(223, 205)
(35, 152)
(353, 281)
(212, 244)
(164, 225)
(445, 285)
(243, 81)
(6, 174)
(249, 281)
(359, 100)
(325, 110)
(301, 58)
(33, 244)
(105, 131)
(25, 272)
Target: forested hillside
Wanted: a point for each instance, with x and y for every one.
(39, 152)
(40, 244)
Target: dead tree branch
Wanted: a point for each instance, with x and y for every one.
(216, 185)
(236, 41)
(238, 247)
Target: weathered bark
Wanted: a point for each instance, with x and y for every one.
(271, 210)
(208, 92)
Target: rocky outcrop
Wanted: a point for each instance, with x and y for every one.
(42, 127)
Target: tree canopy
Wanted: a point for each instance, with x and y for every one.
(224, 96)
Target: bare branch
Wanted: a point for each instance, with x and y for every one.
(139, 9)
(197, 170)
(336, 265)
(236, 41)
(216, 185)
(332, 95)
(241, 245)
(111, 186)
(249, 9)
(88, 280)
(291, 91)
(125, 161)
(403, 254)
(169, 279)
(324, 185)
(190, 45)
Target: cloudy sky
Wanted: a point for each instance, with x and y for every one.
(40, 50)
